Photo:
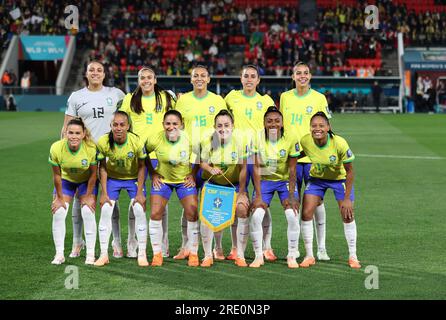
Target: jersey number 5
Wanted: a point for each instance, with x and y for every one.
(98, 112)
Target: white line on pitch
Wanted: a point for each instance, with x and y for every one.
(399, 157)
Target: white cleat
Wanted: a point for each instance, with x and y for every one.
(117, 250)
(132, 246)
(76, 250)
(58, 260)
(166, 254)
(90, 260)
(323, 256)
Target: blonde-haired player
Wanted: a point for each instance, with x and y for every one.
(73, 160)
(146, 107)
(248, 107)
(198, 108)
(298, 105)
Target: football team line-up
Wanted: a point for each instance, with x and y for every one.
(119, 141)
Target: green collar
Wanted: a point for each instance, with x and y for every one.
(249, 97)
(149, 97)
(125, 142)
(172, 142)
(325, 145)
(303, 96)
(75, 152)
(193, 94)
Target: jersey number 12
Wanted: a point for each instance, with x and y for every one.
(98, 112)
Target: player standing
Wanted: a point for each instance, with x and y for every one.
(146, 107)
(198, 108)
(95, 105)
(248, 107)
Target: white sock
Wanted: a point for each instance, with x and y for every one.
(267, 225)
(292, 232)
(256, 232)
(206, 238)
(242, 236)
(131, 224)
(59, 229)
(307, 235)
(218, 236)
(89, 229)
(165, 223)
(192, 236)
(105, 226)
(116, 227)
(350, 236)
(234, 233)
(183, 230)
(156, 235)
(141, 227)
(76, 217)
(319, 222)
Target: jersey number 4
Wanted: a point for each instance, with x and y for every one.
(98, 112)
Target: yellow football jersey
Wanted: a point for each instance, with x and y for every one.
(327, 161)
(298, 110)
(174, 158)
(122, 161)
(199, 113)
(149, 121)
(74, 166)
(274, 157)
(228, 157)
(248, 112)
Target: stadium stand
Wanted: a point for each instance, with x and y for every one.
(171, 36)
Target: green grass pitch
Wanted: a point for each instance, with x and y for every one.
(400, 213)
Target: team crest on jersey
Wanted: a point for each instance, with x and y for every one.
(211, 109)
(282, 153)
(332, 158)
(309, 109)
(234, 155)
(259, 105)
(130, 155)
(349, 153)
(84, 162)
(183, 154)
(109, 101)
